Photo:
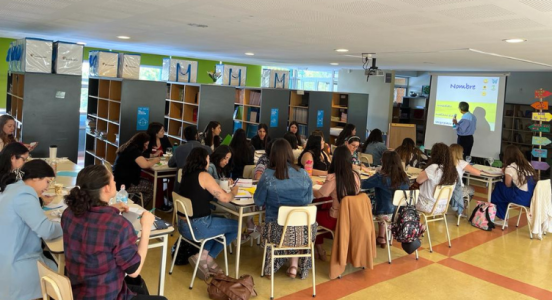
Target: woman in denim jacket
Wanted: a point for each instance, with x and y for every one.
(284, 184)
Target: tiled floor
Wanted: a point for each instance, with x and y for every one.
(481, 265)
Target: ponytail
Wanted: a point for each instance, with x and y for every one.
(86, 194)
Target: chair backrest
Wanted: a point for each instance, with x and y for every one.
(412, 170)
(442, 193)
(183, 205)
(248, 171)
(543, 188)
(53, 284)
(400, 200)
(108, 165)
(366, 158)
(332, 148)
(179, 175)
(296, 216)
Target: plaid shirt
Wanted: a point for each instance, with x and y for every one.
(99, 246)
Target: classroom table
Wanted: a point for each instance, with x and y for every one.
(56, 246)
(487, 178)
(161, 170)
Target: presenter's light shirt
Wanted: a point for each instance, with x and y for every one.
(467, 124)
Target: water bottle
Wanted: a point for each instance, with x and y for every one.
(122, 195)
(308, 167)
(175, 145)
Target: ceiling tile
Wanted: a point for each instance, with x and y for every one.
(477, 12)
(540, 5)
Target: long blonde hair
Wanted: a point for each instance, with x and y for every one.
(457, 153)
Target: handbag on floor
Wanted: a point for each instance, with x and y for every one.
(184, 252)
(483, 216)
(137, 285)
(222, 287)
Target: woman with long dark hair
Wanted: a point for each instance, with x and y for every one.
(410, 155)
(201, 188)
(12, 159)
(212, 135)
(440, 170)
(243, 151)
(158, 143)
(91, 227)
(313, 152)
(519, 182)
(284, 184)
(7, 131)
(129, 163)
(348, 130)
(292, 140)
(24, 224)
(220, 166)
(261, 139)
(341, 182)
(374, 145)
(390, 178)
(293, 128)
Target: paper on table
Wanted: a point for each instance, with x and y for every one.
(493, 172)
(244, 182)
(243, 194)
(316, 187)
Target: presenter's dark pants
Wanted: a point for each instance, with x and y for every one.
(466, 141)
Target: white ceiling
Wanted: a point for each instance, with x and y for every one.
(404, 34)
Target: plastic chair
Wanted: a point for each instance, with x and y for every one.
(184, 205)
(292, 216)
(53, 284)
(248, 171)
(441, 194)
(398, 200)
(175, 216)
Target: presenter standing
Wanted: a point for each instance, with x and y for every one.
(465, 128)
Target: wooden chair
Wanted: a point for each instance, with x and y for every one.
(441, 194)
(184, 205)
(399, 200)
(541, 184)
(292, 216)
(248, 171)
(53, 284)
(366, 158)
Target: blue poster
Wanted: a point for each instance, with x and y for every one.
(320, 118)
(274, 117)
(142, 121)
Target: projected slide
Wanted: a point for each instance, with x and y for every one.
(479, 92)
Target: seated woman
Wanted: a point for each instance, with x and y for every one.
(440, 170)
(374, 145)
(457, 202)
(211, 135)
(390, 178)
(159, 143)
(129, 163)
(24, 224)
(100, 245)
(341, 182)
(7, 130)
(327, 148)
(284, 184)
(410, 155)
(262, 163)
(313, 152)
(261, 139)
(244, 153)
(352, 143)
(519, 182)
(292, 140)
(12, 159)
(348, 130)
(294, 129)
(201, 188)
(219, 166)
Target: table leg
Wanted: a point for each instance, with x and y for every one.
(489, 189)
(154, 198)
(162, 269)
(238, 246)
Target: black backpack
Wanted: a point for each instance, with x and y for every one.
(407, 227)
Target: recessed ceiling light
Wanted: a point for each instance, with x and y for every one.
(249, 53)
(123, 37)
(342, 50)
(513, 41)
(81, 43)
(334, 64)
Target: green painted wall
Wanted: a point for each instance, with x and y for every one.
(253, 71)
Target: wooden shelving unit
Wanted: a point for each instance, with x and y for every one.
(247, 110)
(108, 98)
(413, 110)
(181, 109)
(299, 111)
(46, 110)
(340, 107)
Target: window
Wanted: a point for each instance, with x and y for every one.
(150, 73)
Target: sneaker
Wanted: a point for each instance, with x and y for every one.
(166, 208)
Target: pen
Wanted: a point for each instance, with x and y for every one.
(236, 182)
(151, 211)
